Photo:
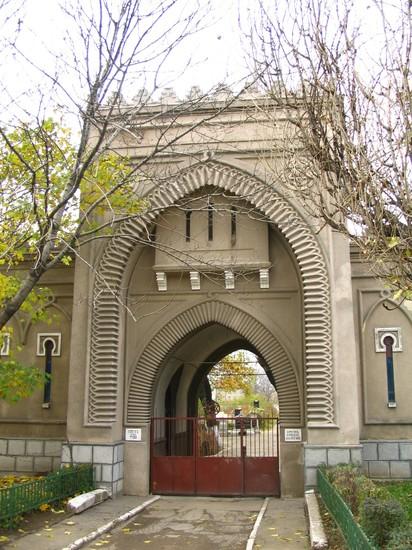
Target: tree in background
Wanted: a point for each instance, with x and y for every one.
(109, 49)
(233, 373)
(61, 188)
(341, 72)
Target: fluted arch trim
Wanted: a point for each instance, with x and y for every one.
(139, 402)
(105, 323)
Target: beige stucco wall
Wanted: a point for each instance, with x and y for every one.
(374, 309)
(27, 418)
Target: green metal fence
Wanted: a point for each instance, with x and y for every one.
(28, 496)
(354, 536)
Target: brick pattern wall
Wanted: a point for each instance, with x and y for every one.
(315, 455)
(107, 459)
(20, 455)
(387, 459)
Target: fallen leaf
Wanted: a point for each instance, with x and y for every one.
(3, 538)
(67, 532)
(70, 523)
(126, 529)
(47, 529)
(147, 541)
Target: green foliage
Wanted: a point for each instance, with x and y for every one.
(400, 539)
(50, 199)
(354, 487)
(18, 381)
(380, 517)
(38, 171)
(35, 303)
(402, 491)
(245, 402)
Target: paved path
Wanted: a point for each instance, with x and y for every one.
(284, 526)
(60, 535)
(202, 523)
(188, 522)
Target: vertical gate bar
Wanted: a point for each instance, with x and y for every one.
(151, 454)
(195, 447)
(242, 455)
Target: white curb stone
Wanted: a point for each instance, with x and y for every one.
(79, 543)
(318, 540)
(87, 500)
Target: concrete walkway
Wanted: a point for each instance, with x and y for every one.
(181, 522)
(284, 526)
(62, 534)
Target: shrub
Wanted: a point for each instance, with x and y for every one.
(380, 517)
(400, 539)
(354, 487)
(343, 477)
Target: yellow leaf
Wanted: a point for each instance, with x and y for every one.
(44, 507)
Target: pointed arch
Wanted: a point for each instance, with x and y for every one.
(139, 399)
(105, 322)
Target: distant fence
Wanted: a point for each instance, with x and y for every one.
(351, 530)
(28, 496)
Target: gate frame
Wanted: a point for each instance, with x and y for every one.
(182, 471)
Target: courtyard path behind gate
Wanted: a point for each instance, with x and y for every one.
(202, 523)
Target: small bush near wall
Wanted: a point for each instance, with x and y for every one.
(379, 518)
(400, 539)
(383, 518)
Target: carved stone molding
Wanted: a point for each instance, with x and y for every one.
(139, 402)
(105, 324)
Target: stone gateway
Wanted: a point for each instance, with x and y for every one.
(221, 257)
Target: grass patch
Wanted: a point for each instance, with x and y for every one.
(402, 492)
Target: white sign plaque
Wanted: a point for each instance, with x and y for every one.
(133, 434)
(293, 434)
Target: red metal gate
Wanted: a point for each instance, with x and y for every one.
(227, 456)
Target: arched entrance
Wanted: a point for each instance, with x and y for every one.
(140, 404)
(240, 458)
(228, 444)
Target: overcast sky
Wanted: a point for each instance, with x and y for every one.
(212, 55)
(215, 54)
